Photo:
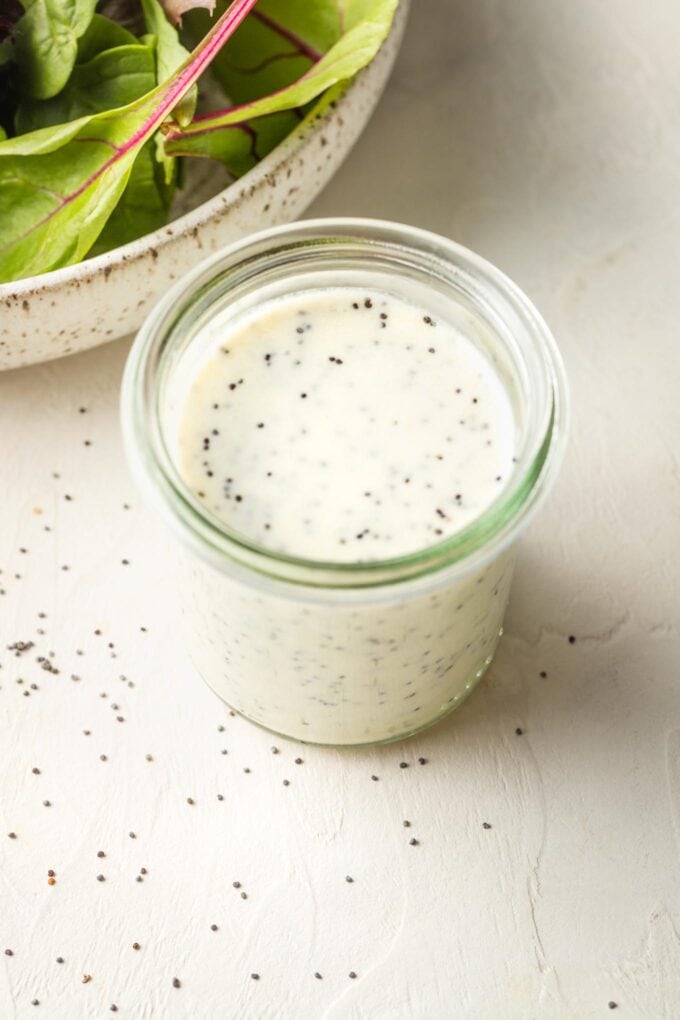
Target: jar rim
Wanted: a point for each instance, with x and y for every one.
(483, 538)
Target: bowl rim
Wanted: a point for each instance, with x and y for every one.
(328, 101)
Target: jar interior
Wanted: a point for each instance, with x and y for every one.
(421, 269)
(232, 297)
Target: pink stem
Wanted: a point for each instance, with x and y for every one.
(193, 68)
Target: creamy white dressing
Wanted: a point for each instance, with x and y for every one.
(344, 425)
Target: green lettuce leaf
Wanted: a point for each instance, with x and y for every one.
(60, 184)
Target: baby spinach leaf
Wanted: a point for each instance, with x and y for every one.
(102, 34)
(46, 43)
(112, 78)
(287, 34)
(59, 185)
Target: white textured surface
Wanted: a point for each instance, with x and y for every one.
(546, 136)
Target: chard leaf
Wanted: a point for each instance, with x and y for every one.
(239, 146)
(289, 71)
(142, 207)
(103, 79)
(46, 43)
(169, 55)
(59, 185)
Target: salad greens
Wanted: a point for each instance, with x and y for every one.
(98, 106)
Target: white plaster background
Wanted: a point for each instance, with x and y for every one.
(547, 137)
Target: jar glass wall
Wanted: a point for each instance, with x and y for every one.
(323, 651)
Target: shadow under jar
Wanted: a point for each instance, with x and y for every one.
(305, 621)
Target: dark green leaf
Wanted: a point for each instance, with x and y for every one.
(46, 43)
(112, 78)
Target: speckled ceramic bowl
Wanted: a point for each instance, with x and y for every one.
(107, 297)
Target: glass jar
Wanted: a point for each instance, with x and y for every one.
(345, 653)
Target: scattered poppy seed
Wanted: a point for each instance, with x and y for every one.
(9, 952)
(12, 835)
(486, 825)
(403, 764)
(143, 871)
(316, 973)
(286, 782)
(298, 761)
(35, 1002)
(47, 803)
(348, 878)
(220, 729)
(613, 1005)
(247, 770)
(100, 853)
(190, 800)
(519, 731)
(274, 750)
(352, 974)
(176, 983)
(86, 978)
(220, 796)
(148, 757)
(422, 761)
(255, 977)
(113, 1007)
(51, 873)
(213, 927)
(136, 945)
(244, 896)
(100, 878)
(236, 885)
(36, 772)
(139, 878)
(374, 778)
(132, 835)
(51, 881)
(413, 842)
(406, 824)
(572, 639)
(102, 757)
(543, 674)
(60, 959)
